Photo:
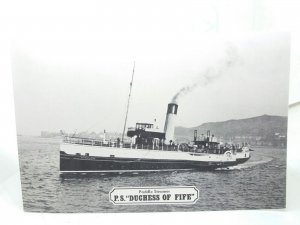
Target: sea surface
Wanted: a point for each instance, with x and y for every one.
(259, 183)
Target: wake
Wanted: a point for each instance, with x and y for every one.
(247, 165)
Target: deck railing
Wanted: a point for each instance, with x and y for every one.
(118, 144)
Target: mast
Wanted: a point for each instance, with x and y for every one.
(131, 83)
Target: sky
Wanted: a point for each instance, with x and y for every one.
(81, 82)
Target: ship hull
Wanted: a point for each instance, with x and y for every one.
(242, 157)
(77, 164)
(76, 158)
(242, 160)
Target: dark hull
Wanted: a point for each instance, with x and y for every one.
(242, 160)
(79, 163)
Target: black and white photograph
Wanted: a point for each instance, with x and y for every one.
(153, 118)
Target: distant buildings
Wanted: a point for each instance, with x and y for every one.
(275, 140)
(48, 134)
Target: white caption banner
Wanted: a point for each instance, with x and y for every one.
(154, 195)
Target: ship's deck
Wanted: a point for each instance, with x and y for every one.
(118, 144)
(153, 146)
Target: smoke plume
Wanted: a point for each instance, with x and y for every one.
(230, 59)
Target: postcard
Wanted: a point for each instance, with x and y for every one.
(155, 125)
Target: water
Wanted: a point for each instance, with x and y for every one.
(258, 184)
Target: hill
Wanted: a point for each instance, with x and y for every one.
(260, 128)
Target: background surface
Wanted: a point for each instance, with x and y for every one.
(155, 19)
